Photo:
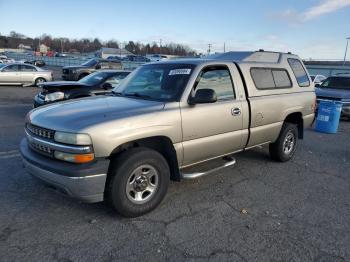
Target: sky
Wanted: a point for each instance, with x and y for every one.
(314, 29)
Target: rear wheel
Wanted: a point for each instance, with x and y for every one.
(39, 81)
(284, 148)
(139, 180)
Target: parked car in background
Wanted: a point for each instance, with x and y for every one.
(75, 73)
(136, 58)
(155, 57)
(39, 63)
(23, 74)
(97, 83)
(336, 88)
(317, 79)
(5, 60)
(114, 57)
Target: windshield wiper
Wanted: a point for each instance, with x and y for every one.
(135, 94)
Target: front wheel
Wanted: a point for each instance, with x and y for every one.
(139, 180)
(39, 81)
(284, 148)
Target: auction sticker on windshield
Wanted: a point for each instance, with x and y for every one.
(184, 71)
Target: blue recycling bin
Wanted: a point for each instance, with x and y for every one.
(328, 116)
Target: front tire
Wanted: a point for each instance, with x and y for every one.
(284, 148)
(139, 180)
(39, 81)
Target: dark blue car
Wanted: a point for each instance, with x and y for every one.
(336, 88)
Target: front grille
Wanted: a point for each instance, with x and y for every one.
(40, 132)
(41, 149)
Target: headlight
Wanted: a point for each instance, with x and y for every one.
(54, 96)
(73, 139)
(74, 158)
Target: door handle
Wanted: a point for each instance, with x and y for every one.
(236, 111)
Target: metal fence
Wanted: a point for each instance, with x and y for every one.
(66, 61)
(327, 70)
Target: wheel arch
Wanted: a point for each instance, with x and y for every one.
(297, 119)
(83, 74)
(161, 144)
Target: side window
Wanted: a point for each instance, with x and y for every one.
(281, 78)
(270, 78)
(219, 80)
(299, 72)
(11, 68)
(263, 78)
(26, 68)
(115, 80)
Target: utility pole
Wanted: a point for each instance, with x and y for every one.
(209, 48)
(224, 47)
(61, 45)
(160, 46)
(346, 49)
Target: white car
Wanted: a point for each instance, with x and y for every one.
(156, 58)
(4, 59)
(318, 79)
(23, 74)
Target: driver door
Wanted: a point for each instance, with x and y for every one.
(212, 129)
(10, 74)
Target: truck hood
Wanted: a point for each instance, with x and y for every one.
(75, 115)
(61, 85)
(333, 93)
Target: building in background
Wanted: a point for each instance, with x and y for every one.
(24, 47)
(106, 52)
(43, 49)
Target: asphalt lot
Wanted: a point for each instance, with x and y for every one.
(258, 210)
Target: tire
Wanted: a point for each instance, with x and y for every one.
(39, 81)
(129, 175)
(284, 148)
(82, 76)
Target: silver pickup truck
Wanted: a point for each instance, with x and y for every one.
(169, 120)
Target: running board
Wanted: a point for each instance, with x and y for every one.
(214, 166)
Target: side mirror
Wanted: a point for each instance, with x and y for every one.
(106, 86)
(317, 85)
(203, 96)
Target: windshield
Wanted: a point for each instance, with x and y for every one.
(161, 82)
(90, 62)
(337, 83)
(2, 65)
(94, 78)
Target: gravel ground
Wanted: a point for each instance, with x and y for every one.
(258, 210)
